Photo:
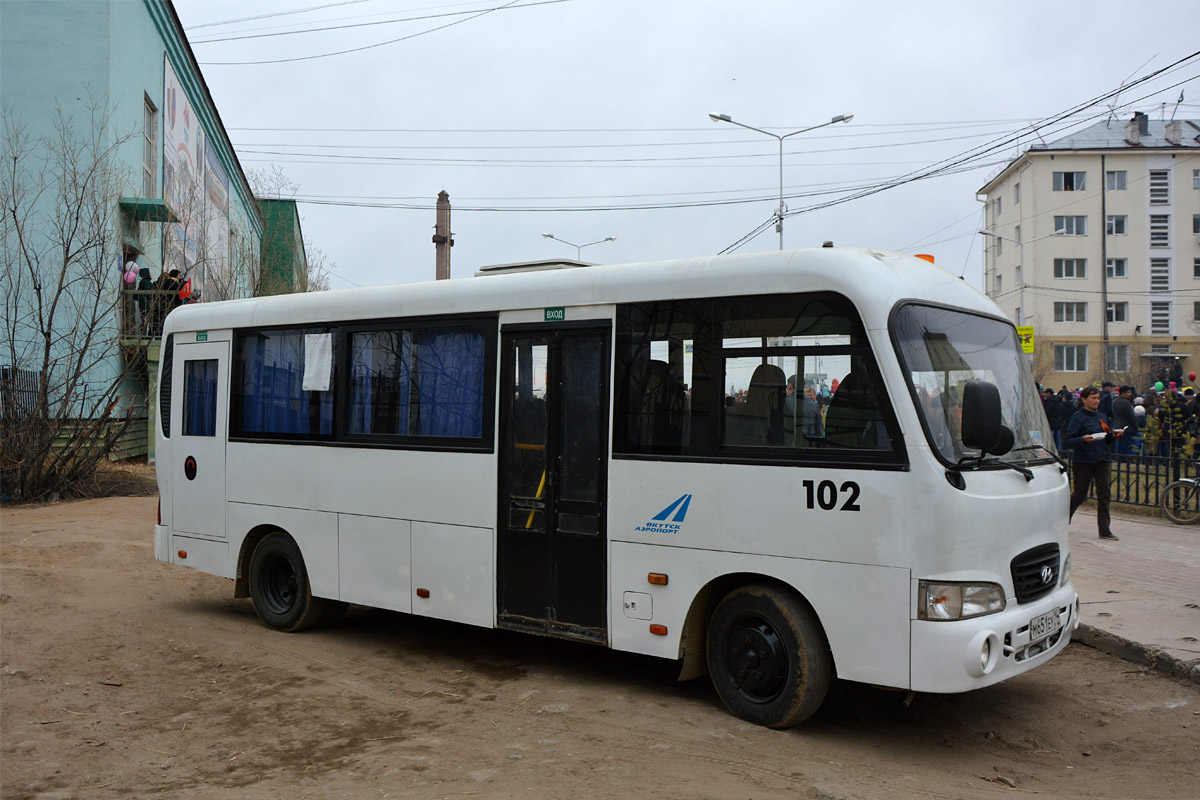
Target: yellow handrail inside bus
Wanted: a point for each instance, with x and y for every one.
(541, 488)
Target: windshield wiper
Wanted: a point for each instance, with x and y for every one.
(973, 463)
(995, 462)
(1061, 462)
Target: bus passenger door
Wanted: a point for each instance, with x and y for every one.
(554, 448)
(200, 395)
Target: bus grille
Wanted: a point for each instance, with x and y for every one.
(1030, 578)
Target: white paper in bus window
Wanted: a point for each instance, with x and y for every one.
(318, 361)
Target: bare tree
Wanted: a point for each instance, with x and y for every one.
(62, 406)
(314, 275)
(210, 247)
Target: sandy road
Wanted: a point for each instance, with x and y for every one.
(122, 677)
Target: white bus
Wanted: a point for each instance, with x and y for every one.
(776, 468)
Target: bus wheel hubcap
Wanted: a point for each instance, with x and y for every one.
(758, 660)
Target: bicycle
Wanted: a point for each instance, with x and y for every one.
(1180, 500)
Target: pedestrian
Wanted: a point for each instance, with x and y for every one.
(1088, 435)
(1125, 420)
(1107, 391)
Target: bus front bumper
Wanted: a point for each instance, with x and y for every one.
(973, 653)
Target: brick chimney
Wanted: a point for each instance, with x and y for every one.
(1174, 132)
(443, 239)
(1137, 127)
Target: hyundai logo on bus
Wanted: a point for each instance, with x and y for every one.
(1047, 574)
(660, 525)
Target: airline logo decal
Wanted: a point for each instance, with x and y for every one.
(675, 513)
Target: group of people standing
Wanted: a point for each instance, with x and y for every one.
(157, 298)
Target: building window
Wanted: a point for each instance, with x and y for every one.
(1070, 181)
(1017, 234)
(1116, 225)
(1160, 348)
(1195, 224)
(1117, 312)
(1117, 267)
(1160, 319)
(1196, 311)
(997, 283)
(1070, 312)
(1196, 267)
(1196, 179)
(1114, 180)
(1118, 358)
(1070, 267)
(1070, 358)
(1017, 192)
(1160, 230)
(1160, 187)
(1070, 226)
(1160, 274)
(999, 205)
(999, 246)
(150, 151)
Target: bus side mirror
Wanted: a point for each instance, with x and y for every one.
(982, 427)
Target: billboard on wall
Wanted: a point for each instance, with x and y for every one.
(196, 186)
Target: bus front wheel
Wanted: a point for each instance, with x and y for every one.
(768, 657)
(279, 586)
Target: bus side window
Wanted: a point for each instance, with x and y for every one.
(200, 397)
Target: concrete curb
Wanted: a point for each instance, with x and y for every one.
(1138, 653)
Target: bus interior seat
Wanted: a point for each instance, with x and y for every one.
(759, 421)
(663, 407)
(853, 419)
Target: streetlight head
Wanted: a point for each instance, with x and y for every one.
(547, 236)
(610, 239)
(842, 118)
(720, 118)
(982, 232)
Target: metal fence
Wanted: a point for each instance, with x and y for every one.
(18, 392)
(1139, 479)
(143, 312)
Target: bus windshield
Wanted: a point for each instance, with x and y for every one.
(941, 350)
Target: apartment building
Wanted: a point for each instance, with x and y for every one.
(1094, 241)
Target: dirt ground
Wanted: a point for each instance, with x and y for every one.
(122, 677)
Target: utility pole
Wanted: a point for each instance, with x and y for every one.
(443, 239)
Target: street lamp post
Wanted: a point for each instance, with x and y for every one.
(726, 118)
(579, 247)
(1020, 243)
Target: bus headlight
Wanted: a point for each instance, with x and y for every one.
(950, 601)
(1066, 571)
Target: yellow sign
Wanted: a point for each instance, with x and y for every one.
(1025, 334)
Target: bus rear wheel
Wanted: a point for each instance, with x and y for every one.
(279, 586)
(768, 657)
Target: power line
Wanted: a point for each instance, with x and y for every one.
(278, 14)
(364, 47)
(372, 24)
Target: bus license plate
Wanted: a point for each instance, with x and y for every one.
(1043, 626)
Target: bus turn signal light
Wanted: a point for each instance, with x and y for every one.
(658, 630)
(657, 578)
(183, 553)
(422, 593)
(926, 257)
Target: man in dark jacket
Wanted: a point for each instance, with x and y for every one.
(1124, 418)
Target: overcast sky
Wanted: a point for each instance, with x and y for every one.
(589, 118)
